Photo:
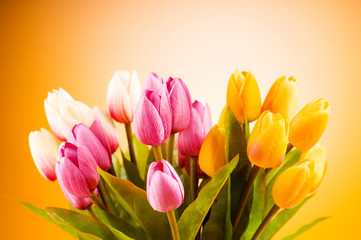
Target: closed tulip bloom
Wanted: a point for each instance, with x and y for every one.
(243, 96)
(153, 82)
(268, 140)
(63, 112)
(282, 97)
(108, 125)
(153, 118)
(222, 117)
(293, 185)
(124, 91)
(94, 139)
(307, 127)
(77, 202)
(213, 152)
(165, 190)
(76, 170)
(190, 140)
(44, 149)
(180, 103)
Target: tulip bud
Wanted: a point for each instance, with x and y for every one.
(63, 112)
(190, 140)
(77, 202)
(213, 152)
(123, 95)
(243, 96)
(76, 170)
(222, 118)
(180, 103)
(94, 139)
(153, 82)
(307, 127)
(293, 185)
(153, 118)
(267, 143)
(282, 97)
(108, 125)
(317, 154)
(165, 190)
(44, 149)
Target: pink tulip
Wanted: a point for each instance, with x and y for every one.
(77, 202)
(44, 149)
(76, 170)
(153, 118)
(190, 140)
(153, 82)
(181, 104)
(107, 123)
(93, 138)
(165, 190)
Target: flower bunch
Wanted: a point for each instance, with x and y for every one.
(181, 177)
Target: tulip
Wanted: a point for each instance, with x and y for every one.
(213, 152)
(153, 118)
(190, 140)
(165, 190)
(268, 140)
(180, 103)
(293, 185)
(307, 127)
(123, 95)
(317, 154)
(44, 150)
(222, 118)
(108, 125)
(153, 82)
(282, 98)
(243, 96)
(76, 170)
(63, 112)
(94, 139)
(77, 202)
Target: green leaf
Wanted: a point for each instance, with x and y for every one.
(187, 193)
(192, 218)
(305, 228)
(141, 153)
(81, 222)
(45, 215)
(85, 236)
(134, 201)
(132, 173)
(117, 166)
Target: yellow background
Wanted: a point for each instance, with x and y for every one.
(78, 45)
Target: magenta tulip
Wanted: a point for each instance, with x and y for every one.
(153, 118)
(190, 140)
(77, 202)
(76, 170)
(153, 82)
(93, 138)
(165, 190)
(181, 104)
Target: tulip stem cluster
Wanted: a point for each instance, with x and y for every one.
(170, 148)
(158, 153)
(103, 193)
(97, 202)
(128, 130)
(91, 213)
(194, 179)
(173, 225)
(267, 219)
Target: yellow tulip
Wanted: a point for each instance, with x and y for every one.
(317, 154)
(213, 151)
(268, 140)
(243, 96)
(307, 127)
(222, 118)
(293, 185)
(282, 97)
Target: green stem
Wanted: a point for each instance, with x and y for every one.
(268, 218)
(158, 153)
(170, 148)
(173, 225)
(106, 198)
(247, 190)
(97, 202)
(128, 130)
(194, 179)
(91, 213)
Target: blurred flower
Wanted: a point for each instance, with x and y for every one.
(180, 103)
(165, 190)
(107, 123)
(76, 170)
(44, 149)
(213, 152)
(282, 97)
(268, 140)
(307, 127)
(190, 140)
(123, 95)
(63, 112)
(293, 185)
(153, 118)
(243, 96)
(153, 82)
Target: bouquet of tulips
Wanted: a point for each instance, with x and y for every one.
(181, 178)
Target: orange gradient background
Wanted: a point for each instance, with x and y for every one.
(78, 46)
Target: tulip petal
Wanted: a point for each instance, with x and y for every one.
(135, 90)
(165, 113)
(99, 132)
(77, 202)
(87, 167)
(153, 82)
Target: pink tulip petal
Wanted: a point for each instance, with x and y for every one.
(153, 82)
(171, 171)
(207, 120)
(77, 202)
(99, 132)
(165, 113)
(87, 167)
